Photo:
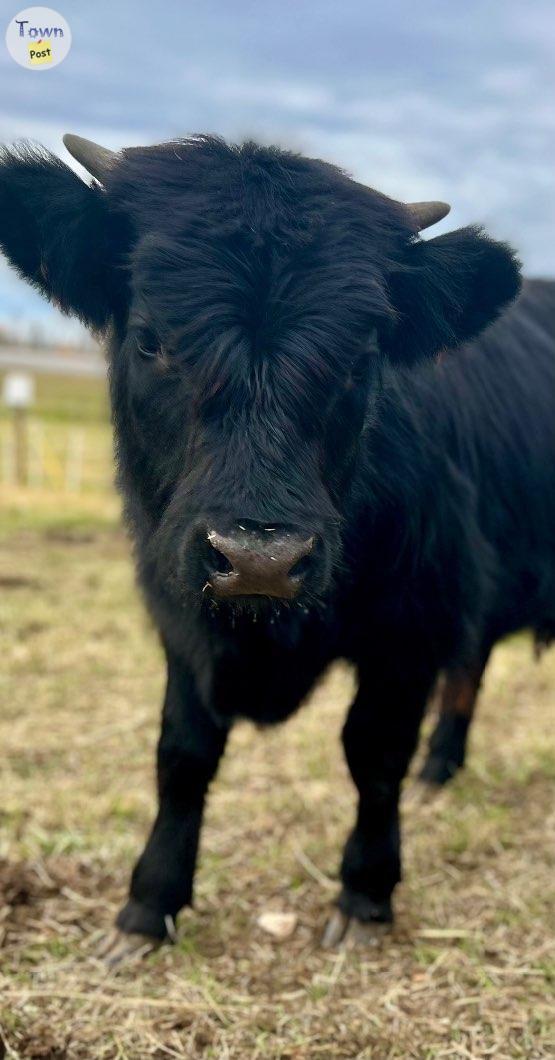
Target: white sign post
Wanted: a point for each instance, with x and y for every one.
(18, 393)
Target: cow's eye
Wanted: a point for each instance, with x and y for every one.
(148, 346)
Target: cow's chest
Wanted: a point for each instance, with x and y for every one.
(265, 677)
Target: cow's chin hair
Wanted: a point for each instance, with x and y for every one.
(265, 611)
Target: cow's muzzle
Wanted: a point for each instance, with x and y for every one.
(264, 562)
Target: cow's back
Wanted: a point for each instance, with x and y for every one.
(497, 398)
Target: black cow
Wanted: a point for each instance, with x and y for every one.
(303, 481)
(457, 695)
(459, 687)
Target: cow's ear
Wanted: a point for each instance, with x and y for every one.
(447, 291)
(58, 233)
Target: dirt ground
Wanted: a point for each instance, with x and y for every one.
(469, 970)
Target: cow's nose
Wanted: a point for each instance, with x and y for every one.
(253, 563)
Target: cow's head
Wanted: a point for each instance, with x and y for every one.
(251, 297)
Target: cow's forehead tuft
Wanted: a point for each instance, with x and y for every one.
(261, 191)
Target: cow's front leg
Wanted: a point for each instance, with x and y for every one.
(379, 738)
(191, 744)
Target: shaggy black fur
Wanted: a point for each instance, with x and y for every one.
(272, 331)
(518, 490)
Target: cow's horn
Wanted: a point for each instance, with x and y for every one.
(427, 213)
(96, 159)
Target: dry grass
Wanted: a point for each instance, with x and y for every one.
(469, 970)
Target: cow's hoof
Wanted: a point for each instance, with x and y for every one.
(357, 921)
(120, 948)
(138, 919)
(438, 771)
(349, 932)
(139, 930)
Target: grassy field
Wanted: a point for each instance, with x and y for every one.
(469, 971)
(61, 398)
(69, 445)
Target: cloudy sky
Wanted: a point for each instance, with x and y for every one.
(434, 99)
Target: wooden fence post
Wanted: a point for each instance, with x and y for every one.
(21, 445)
